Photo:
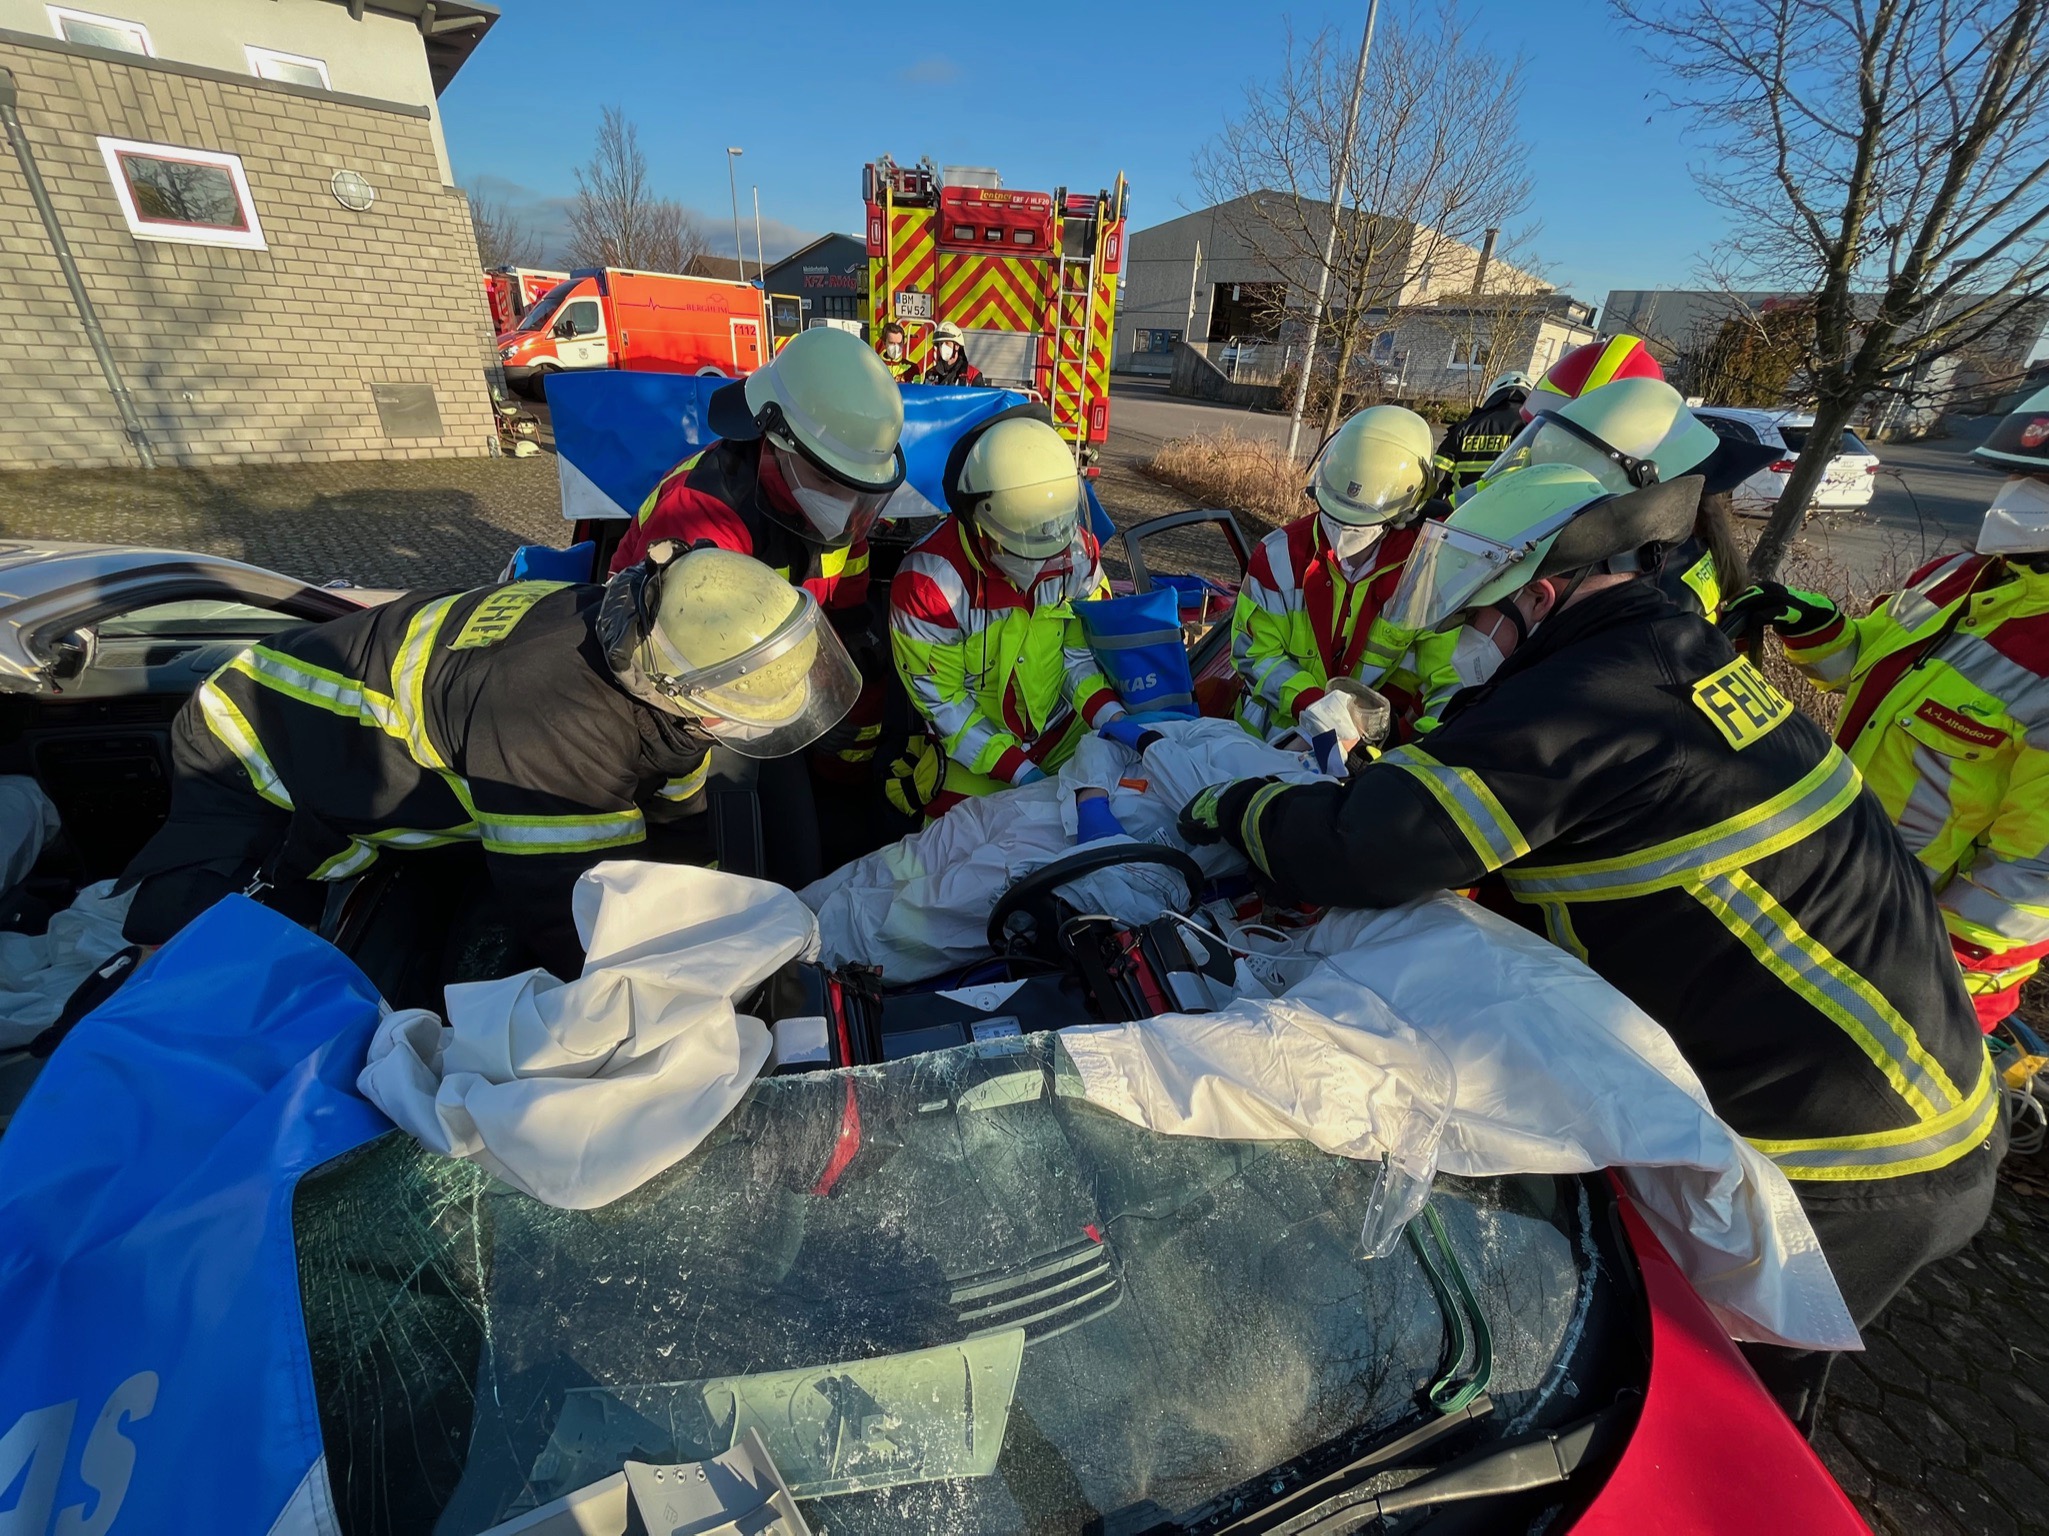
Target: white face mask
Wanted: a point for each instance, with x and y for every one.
(2017, 522)
(837, 513)
(1475, 658)
(1349, 543)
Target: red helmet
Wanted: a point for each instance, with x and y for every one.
(1589, 367)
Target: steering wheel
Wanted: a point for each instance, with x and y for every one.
(1033, 897)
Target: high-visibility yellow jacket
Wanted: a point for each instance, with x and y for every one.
(1005, 679)
(1946, 714)
(1299, 622)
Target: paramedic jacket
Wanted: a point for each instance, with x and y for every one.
(1703, 847)
(487, 716)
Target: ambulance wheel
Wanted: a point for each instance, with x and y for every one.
(536, 386)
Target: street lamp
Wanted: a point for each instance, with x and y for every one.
(733, 152)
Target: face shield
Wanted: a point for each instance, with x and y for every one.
(1449, 566)
(1553, 439)
(773, 699)
(837, 513)
(1025, 572)
(1375, 488)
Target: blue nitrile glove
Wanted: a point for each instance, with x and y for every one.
(1127, 732)
(1094, 820)
(537, 562)
(1031, 773)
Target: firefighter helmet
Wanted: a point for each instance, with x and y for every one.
(1375, 469)
(2017, 522)
(717, 635)
(1626, 435)
(1547, 520)
(835, 419)
(1021, 497)
(946, 330)
(1589, 367)
(1515, 378)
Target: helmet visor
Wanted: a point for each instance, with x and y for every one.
(1551, 439)
(773, 699)
(837, 514)
(1388, 487)
(1446, 568)
(1037, 531)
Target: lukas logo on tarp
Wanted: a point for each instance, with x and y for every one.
(35, 1453)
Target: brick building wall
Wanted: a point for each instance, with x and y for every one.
(236, 355)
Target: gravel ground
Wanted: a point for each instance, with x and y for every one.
(1941, 1426)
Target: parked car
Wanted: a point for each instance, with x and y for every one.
(1851, 467)
(950, 1292)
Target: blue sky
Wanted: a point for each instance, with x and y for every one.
(811, 91)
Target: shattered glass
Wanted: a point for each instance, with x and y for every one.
(950, 1294)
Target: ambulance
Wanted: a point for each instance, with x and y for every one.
(1029, 277)
(646, 322)
(512, 291)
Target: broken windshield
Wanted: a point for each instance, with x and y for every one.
(948, 1293)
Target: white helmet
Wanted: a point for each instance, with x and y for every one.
(1627, 434)
(1375, 469)
(835, 420)
(1022, 497)
(1515, 378)
(946, 330)
(2017, 522)
(717, 635)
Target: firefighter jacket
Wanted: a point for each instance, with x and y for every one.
(1004, 679)
(1702, 846)
(1475, 443)
(1692, 579)
(962, 372)
(717, 496)
(903, 370)
(1946, 712)
(1299, 622)
(488, 716)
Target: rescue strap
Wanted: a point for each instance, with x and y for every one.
(1470, 1336)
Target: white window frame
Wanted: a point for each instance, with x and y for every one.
(259, 56)
(250, 239)
(59, 14)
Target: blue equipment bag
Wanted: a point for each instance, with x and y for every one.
(1138, 641)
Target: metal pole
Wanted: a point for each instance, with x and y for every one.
(131, 419)
(733, 185)
(1330, 244)
(760, 267)
(1194, 275)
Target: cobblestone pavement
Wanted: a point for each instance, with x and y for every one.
(379, 523)
(1940, 1427)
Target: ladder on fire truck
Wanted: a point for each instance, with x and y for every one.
(1077, 281)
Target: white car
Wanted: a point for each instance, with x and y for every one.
(1847, 484)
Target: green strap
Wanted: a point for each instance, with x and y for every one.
(1479, 1341)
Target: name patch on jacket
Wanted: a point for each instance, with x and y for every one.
(1741, 701)
(493, 619)
(1963, 727)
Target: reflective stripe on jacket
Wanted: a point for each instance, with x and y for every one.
(1702, 846)
(483, 716)
(1946, 712)
(996, 674)
(1470, 446)
(1299, 622)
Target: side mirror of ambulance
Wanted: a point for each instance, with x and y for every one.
(562, 330)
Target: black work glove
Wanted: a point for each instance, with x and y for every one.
(1789, 611)
(1214, 816)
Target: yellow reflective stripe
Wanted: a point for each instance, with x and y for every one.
(1827, 790)
(1470, 804)
(232, 728)
(409, 682)
(688, 784)
(561, 834)
(1558, 928)
(1248, 828)
(1778, 942)
(1934, 1143)
(352, 860)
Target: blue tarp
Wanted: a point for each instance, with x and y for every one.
(153, 1362)
(617, 434)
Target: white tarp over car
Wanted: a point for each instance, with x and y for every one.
(579, 1092)
(921, 906)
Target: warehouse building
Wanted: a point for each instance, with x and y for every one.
(259, 200)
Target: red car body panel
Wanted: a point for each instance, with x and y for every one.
(1712, 1455)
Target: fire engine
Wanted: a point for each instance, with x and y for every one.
(1029, 277)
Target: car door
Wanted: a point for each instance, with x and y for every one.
(746, 345)
(583, 345)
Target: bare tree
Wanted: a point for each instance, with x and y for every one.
(504, 238)
(616, 220)
(1889, 157)
(1436, 160)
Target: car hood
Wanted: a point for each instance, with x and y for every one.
(48, 589)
